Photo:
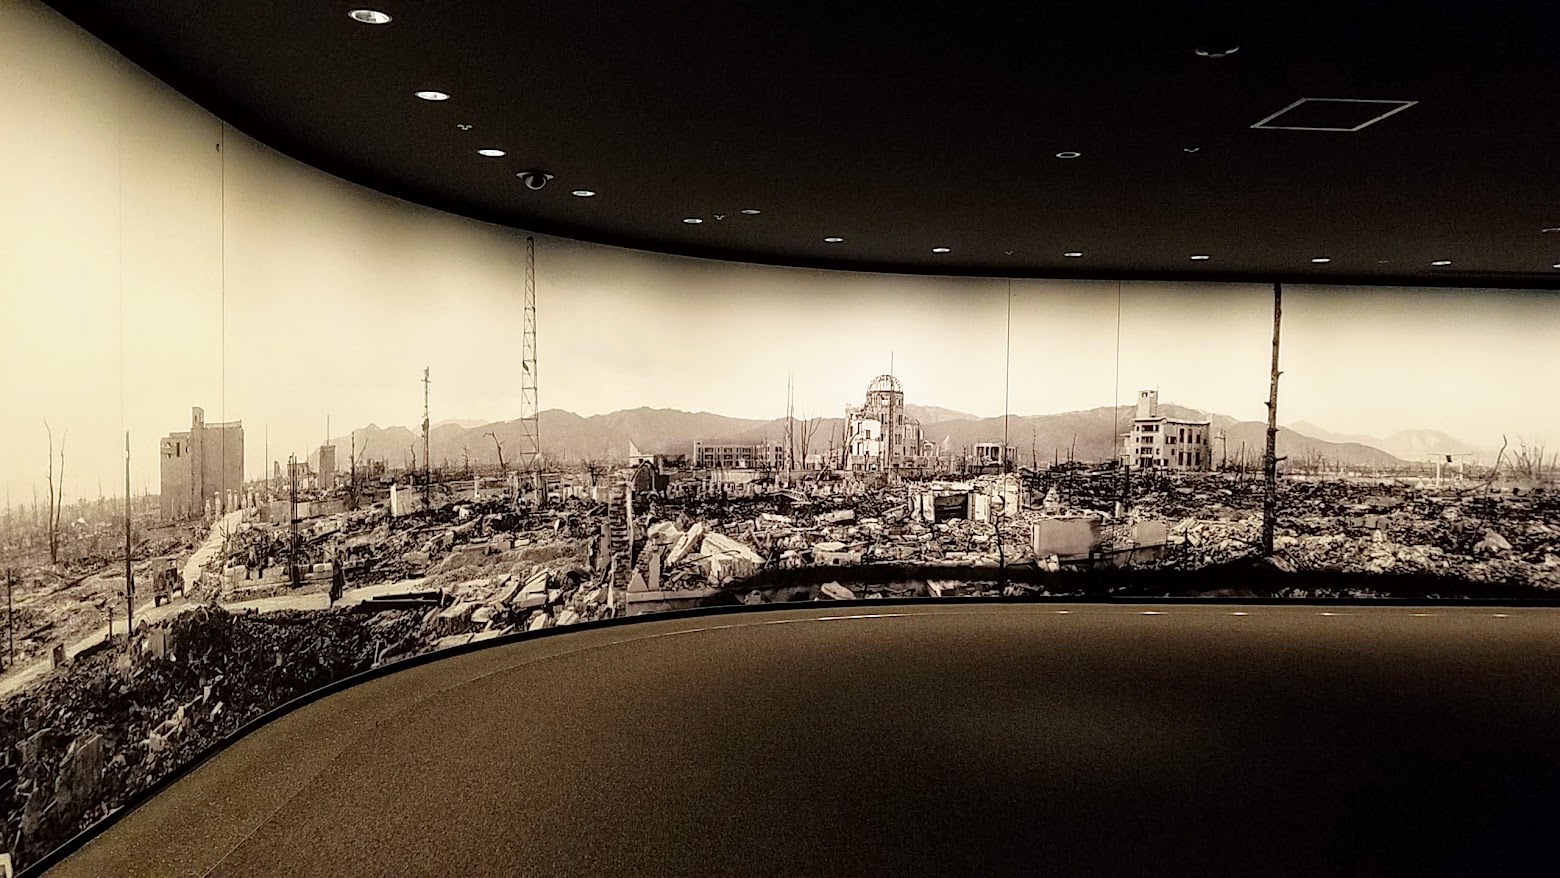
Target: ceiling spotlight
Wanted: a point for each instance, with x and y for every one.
(1072, 254)
(941, 250)
(1216, 42)
(1200, 257)
(751, 211)
(1320, 260)
(1551, 229)
(491, 153)
(1556, 265)
(692, 220)
(534, 180)
(1190, 148)
(1068, 155)
(1442, 262)
(832, 240)
(369, 16)
(433, 95)
(464, 126)
(584, 193)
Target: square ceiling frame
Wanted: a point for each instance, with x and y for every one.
(1399, 107)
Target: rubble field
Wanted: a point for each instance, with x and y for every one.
(88, 736)
(71, 600)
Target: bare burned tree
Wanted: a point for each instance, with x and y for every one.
(500, 446)
(56, 493)
(809, 427)
(1270, 457)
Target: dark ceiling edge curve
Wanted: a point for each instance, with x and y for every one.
(168, 72)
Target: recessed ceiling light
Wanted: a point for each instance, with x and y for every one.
(464, 126)
(1072, 254)
(1200, 257)
(585, 193)
(1556, 265)
(1068, 155)
(369, 16)
(1217, 50)
(941, 250)
(1320, 260)
(832, 240)
(1442, 262)
(490, 153)
(433, 95)
(692, 220)
(1551, 229)
(751, 211)
(1190, 149)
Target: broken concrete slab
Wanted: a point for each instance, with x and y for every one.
(835, 591)
(1492, 542)
(1065, 537)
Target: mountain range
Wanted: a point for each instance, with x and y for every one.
(1413, 445)
(1086, 435)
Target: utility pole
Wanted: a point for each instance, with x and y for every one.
(790, 426)
(1270, 457)
(129, 573)
(427, 458)
(292, 471)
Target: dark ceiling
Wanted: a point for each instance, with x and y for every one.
(910, 125)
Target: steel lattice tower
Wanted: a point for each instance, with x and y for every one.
(530, 420)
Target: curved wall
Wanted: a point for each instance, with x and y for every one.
(153, 260)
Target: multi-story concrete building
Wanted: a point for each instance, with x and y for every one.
(202, 471)
(988, 457)
(327, 475)
(757, 455)
(879, 436)
(1161, 442)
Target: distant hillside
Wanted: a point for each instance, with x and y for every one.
(931, 414)
(1089, 435)
(1409, 445)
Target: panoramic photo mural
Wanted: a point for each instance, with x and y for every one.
(291, 430)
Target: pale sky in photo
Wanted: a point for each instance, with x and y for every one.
(143, 272)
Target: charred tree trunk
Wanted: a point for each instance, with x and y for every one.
(1270, 457)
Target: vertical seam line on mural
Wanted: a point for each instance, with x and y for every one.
(1007, 374)
(1115, 409)
(222, 286)
(119, 186)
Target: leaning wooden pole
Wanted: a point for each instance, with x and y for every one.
(1270, 458)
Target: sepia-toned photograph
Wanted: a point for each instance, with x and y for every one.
(267, 430)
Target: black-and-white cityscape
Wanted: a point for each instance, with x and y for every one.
(291, 431)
